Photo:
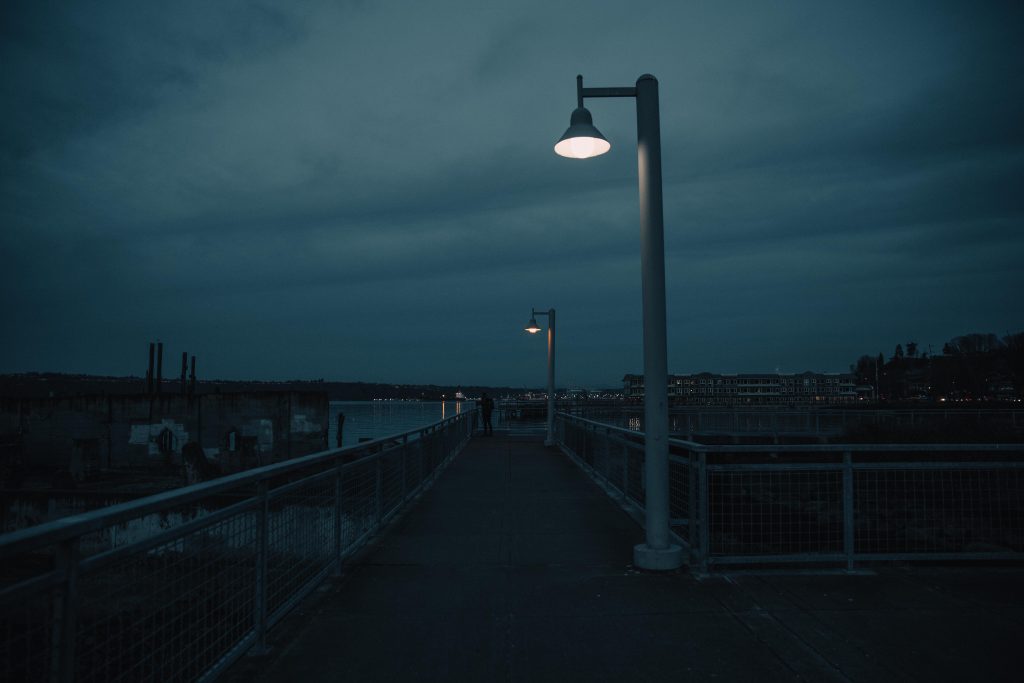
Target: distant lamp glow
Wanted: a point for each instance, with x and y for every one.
(533, 328)
(581, 140)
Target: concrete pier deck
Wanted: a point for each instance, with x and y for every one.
(516, 567)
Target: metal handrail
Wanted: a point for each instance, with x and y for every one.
(874, 507)
(248, 562)
(76, 525)
(804, 448)
(812, 419)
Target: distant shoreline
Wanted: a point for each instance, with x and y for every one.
(59, 385)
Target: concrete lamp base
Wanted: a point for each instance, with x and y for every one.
(665, 559)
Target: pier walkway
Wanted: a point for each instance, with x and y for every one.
(516, 567)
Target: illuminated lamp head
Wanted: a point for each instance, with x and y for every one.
(581, 140)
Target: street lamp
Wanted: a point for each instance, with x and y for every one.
(581, 141)
(533, 328)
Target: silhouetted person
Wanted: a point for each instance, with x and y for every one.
(486, 408)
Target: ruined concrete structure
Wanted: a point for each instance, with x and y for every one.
(91, 434)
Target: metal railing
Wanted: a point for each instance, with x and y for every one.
(768, 421)
(177, 586)
(839, 503)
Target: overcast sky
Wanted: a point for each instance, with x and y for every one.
(367, 190)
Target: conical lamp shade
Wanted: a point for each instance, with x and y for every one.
(581, 140)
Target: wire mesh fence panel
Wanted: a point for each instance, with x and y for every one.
(413, 467)
(788, 422)
(825, 502)
(358, 501)
(392, 481)
(580, 444)
(429, 450)
(570, 436)
(586, 447)
(579, 441)
(616, 462)
(26, 638)
(170, 612)
(635, 476)
(774, 512)
(679, 496)
(176, 586)
(300, 540)
(606, 456)
(574, 439)
(422, 456)
(939, 510)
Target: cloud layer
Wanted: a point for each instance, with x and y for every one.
(367, 190)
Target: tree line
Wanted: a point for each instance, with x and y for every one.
(974, 367)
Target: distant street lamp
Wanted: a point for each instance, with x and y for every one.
(533, 328)
(581, 141)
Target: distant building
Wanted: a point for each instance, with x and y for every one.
(755, 389)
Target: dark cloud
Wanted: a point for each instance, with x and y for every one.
(368, 191)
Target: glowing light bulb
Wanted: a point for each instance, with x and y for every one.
(582, 147)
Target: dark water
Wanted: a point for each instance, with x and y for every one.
(363, 419)
(376, 419)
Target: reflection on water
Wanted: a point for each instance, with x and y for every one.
(446, 412)
(376, 419)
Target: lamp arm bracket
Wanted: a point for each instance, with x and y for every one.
(608, 92)
(582, 92)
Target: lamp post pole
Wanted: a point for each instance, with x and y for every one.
(532, 328)
(550, 440)
(658, 552)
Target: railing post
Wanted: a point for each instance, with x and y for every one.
(848, 526)
(379, 486)
(704, 510)
(584, 443)
(607, 454)
(692, 531)
(405, 469)
(431, 447)
(625, 471)
(262, 531)
(338, 538)
(446, 445)
(65, 622)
